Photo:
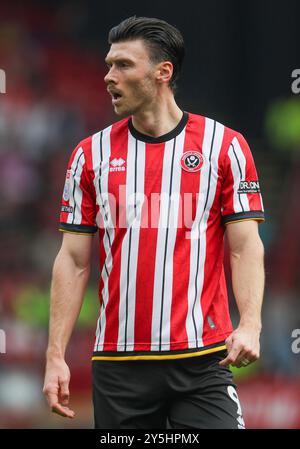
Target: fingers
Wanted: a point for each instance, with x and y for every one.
(239, 356)
(229, 344)
(242, 348)
(231, 356)
(62, 411)
(245, 358)
(58, 397)
(242, 360)
(50, 391)
(64, 393)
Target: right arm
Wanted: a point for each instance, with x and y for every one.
(69, 279)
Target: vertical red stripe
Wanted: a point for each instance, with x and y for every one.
(227, 193)
(254, 199)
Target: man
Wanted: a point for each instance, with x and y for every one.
(161, 187)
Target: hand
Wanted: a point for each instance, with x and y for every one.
(243, 347)
(56, 387)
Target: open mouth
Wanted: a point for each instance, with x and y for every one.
(115, 97)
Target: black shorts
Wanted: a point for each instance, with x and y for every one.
(190, 393)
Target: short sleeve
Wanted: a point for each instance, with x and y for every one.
(78, 206)
(241, 197)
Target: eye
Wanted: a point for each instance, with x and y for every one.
(123, 65)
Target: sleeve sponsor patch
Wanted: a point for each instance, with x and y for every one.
(68, 209)
(249, 187)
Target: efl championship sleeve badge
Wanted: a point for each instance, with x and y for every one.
(66, 193)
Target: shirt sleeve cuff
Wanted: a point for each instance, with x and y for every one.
(241, 216)
(78, 229)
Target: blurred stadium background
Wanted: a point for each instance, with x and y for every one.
(240, 57)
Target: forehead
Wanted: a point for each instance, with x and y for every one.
(134, 50)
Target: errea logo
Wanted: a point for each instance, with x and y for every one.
(117, 164)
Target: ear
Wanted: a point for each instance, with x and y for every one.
(164, 72)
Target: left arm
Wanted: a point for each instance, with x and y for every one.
(248, 278)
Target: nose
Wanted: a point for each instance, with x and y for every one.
(110, 77)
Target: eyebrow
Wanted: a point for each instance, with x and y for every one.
(121, 59)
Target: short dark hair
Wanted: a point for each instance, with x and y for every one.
(164, 41)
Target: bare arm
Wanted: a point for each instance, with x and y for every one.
(69, 278)
(247, 267)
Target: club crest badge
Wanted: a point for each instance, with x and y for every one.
(192, 161)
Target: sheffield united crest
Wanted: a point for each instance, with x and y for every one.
(192, 161)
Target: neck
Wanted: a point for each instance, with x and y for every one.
(159, 119)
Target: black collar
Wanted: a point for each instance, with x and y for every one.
(165, 137)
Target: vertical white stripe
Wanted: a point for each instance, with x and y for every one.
(238, 169)
(163, 278)
(208, 185)
(109, 230)
(75, 200)
(135, 177)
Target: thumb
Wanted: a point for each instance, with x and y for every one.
(229, 342)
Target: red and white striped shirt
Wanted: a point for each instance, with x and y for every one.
(160, 206)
